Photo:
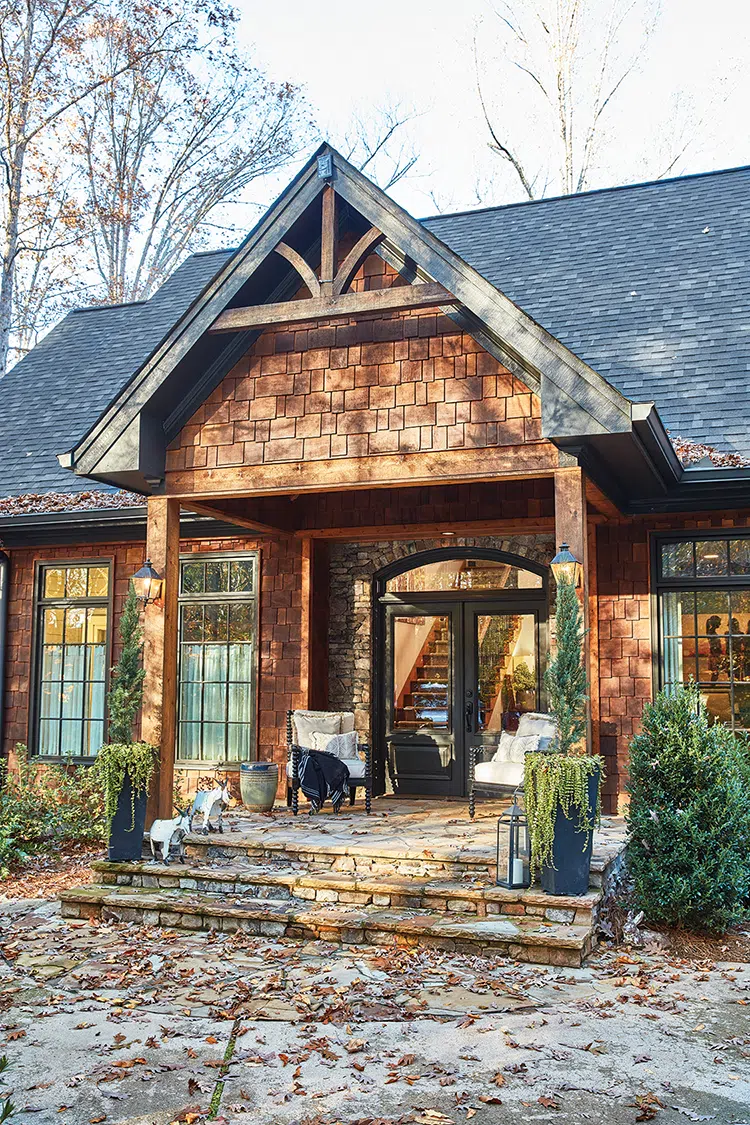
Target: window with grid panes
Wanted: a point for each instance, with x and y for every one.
(704, 621)
(73, 607)
(218, 631)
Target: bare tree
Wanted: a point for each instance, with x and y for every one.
(377, 142)
(48, 279)
(167, 146)
(557, 69)
(40, 82)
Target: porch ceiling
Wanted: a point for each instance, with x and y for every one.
(469, 508)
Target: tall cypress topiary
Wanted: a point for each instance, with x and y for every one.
(558, 781)
(565, 678)
(123, 758)
(126, 691)
(689, 816)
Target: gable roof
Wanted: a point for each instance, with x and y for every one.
(127, 443)
(649, 284)
(57, 391)
(626, 278)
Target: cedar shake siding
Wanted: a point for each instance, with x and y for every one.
(398, 384)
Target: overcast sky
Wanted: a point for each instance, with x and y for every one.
(350, 56)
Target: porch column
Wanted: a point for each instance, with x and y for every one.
(571, 527)
(313, 678)
(159, 719)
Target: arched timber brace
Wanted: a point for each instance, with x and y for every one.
(327, 296)
(355, 258)
(301, 266)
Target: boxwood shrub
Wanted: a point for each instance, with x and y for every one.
(689, 817)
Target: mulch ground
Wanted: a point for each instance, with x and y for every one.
(732, 946)
(44, 876)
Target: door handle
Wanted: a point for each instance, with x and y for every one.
(469, 715)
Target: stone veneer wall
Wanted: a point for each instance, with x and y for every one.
(352, 567)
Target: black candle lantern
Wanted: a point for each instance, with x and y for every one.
(513, 849)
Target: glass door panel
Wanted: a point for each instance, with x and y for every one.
(421, 672)
(502, 680)
(421, 687)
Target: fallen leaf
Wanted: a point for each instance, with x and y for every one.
(499, 1080)
(548, 1102)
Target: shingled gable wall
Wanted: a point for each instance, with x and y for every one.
(394, 384)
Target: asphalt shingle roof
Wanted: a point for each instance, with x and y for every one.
(54, 395)
(649, 285)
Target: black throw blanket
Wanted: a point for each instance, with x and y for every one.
(323, 775)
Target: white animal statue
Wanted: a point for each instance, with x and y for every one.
(211, 801)
(164, 833)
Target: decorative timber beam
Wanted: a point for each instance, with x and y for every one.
(327, 291)
(229, 517)
(400, 297)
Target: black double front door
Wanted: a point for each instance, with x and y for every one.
(451, 675)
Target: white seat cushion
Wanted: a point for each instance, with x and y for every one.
(355, 766)
(543, 726)
(509, 774)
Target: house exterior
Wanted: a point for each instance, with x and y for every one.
(352, 446)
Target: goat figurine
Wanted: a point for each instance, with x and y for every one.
(208, 802)
(168, 832)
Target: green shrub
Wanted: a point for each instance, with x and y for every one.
(40, 810)
(689, 818)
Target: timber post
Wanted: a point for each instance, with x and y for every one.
(159, 721)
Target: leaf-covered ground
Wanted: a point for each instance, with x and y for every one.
(114, 1023)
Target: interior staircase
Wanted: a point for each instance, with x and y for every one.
(425, 696)
(303, 890)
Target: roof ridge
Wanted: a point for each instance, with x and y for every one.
(104, 308)
(585, 194)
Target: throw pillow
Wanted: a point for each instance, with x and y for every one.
(308, 722)
(522, 744)
(344, 746)
(535, 723)
(504, 752)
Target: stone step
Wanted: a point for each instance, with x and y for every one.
(475, 897)
(523, 938)
(451, 860)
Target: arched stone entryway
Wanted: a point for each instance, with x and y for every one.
(353, 643)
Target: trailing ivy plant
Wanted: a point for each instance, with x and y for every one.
(122, 757)
(558, 779)
(118, 760)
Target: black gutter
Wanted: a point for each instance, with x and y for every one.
(4, 579)
(103, 525)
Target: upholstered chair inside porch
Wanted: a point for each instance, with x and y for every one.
(331, 732)
(503, 773)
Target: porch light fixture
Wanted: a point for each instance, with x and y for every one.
(148, 584)
(566, 567)
(513, 849)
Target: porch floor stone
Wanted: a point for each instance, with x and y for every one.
(397, 829)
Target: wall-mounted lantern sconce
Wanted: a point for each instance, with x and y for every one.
(148, 584)
(566, 567)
